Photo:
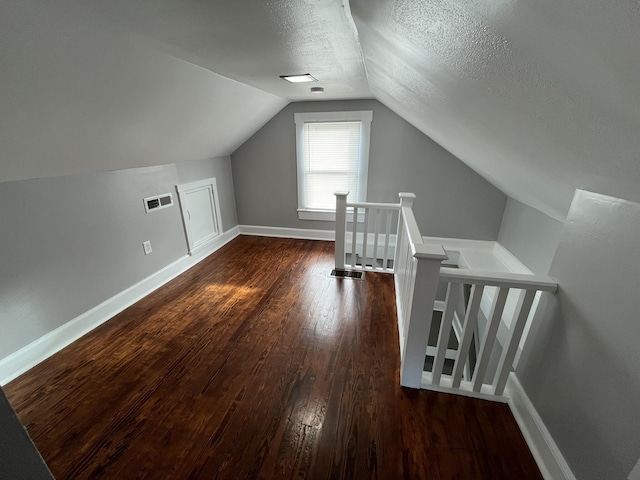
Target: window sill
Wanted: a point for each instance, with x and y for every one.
(321, 215)
(328, 215)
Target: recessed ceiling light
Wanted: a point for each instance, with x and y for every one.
(317, 90)
(298, 78)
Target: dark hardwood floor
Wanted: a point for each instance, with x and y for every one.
(257, 364)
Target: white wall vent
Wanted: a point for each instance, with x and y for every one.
(158, 202)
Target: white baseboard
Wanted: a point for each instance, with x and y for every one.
(29, 356)
(552, 464)
(327, 235)
(302, 233)
(465, 389)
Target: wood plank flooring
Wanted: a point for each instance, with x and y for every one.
(257, 364)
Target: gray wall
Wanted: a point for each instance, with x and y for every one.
(530, 235)
(69, 243)
(19, 459)
(453, 201)
(581, 365)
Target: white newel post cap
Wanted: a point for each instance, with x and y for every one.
(406, 199)
(341, 193)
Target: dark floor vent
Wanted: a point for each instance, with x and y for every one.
(346, 274)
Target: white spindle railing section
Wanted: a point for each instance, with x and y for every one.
(367, 232)
(417, 272)
(416, 281)
(524, 287)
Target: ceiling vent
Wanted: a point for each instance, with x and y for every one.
(158, 202)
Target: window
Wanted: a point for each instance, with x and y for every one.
(333, 154)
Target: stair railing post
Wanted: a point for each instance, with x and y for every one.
(406, 200)
(341, 228)
(427, 276)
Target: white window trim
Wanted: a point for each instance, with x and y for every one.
(364, 116)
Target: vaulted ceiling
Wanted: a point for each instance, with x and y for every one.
(540, 97)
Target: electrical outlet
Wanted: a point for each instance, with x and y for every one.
(147, 247)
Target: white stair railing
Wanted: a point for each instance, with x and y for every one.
(365, 235)
(417, 272)
(416, 280)
(524, 287)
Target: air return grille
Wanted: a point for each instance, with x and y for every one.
(158, 202)
(346, 274)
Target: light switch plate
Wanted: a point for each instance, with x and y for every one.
(147, 247)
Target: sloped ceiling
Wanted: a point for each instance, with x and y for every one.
(539, 97)
(254, 42)
(80, 94)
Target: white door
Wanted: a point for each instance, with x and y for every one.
(200, 212)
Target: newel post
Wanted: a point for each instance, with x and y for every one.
(341, 228)
(406, 199)
(428, 259)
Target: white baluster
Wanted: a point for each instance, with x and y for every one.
(365, 233)
(387, 238)
(376, 226)
(490, 334)
(470, 322)
(406, 283)
(354, 238)
(509, 351)
(400, 240)
(453, 291)
(341, 227)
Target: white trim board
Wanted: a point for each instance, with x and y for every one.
(283, 232)
(30, 355)
(308, 234)
(552, 464)
(466, 388)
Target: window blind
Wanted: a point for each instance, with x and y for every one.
(332, 157)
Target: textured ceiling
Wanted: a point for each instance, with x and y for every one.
(254, 42)
(539, 97)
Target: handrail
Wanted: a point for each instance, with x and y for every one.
(411, 226)
(499, 279)
(383, 206)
